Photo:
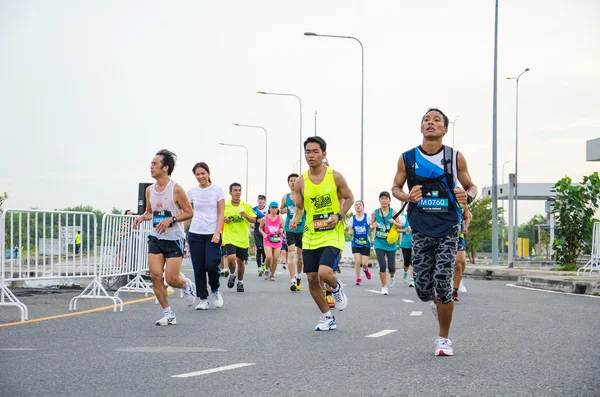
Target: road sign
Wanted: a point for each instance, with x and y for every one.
(67, 233)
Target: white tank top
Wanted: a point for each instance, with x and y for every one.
(163, 207)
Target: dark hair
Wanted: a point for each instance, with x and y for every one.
(316, 139)
(293, 174)
(385, 193)
(262, 197)
(360, 201)
(126, 211)
(168, 159)
(234, 184)
(446, 120)
(204, 166)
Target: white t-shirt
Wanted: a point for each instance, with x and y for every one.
(350, 222)
(205, 208)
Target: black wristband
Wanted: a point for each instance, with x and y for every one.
(174, 220)
(469, 199)
(340, 217)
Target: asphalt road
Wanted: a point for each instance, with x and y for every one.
(507, 341)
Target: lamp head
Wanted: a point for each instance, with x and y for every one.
(310, 34)
(236, 124)
(261, 92)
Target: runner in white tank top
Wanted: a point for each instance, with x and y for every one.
(168, 207)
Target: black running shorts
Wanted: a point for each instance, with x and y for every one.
(166, 248)
(326, 256)
(240, 253)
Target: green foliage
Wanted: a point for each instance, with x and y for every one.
(528, 230)
(573, 210)
(3, 198)
(481, 225)
(116, 211)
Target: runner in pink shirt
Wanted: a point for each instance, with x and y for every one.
(271, 227)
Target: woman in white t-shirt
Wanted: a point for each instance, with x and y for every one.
(204, 238)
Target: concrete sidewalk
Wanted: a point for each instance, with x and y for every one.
(532, 277)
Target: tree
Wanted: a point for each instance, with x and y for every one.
(3, 198)
(529, 230)
(573, 209)
(481, 225)
(116, 211)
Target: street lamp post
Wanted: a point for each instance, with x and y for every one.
(266, 147)
(495, 145)
(299, 101)
(503, 220)
(517, 160)
(362, 105)
(453, 125)
(232, 144)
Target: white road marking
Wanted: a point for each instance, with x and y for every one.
(407, 301)
(381, 333)
(17, 349)
(416, 313)
(212, 370)
(372, 290)
(551, 292)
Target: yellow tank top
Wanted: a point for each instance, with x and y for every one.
(320, 202)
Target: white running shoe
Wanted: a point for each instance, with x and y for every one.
(188, 294)
(341, 301)
(461, 287)
(326, 323)
(434, 309)
(217, 299)
(384, 290)
(391, 282)
(168, 319)
(203, 305)
(443, 347)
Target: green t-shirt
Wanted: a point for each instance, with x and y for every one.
(236, 231)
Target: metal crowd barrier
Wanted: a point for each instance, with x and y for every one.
(41, 245)
(594, 262)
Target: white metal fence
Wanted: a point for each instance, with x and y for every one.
(42, 245)
(594, 262)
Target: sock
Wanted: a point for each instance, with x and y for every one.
(293, 281)
(187, 287)
(240, 281)
(168, 310)
(298, 276)
(406, 273)
(234, 274)
(328, 314)
(336, 289)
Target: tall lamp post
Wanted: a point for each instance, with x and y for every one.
(266, 147)
(517, 160)
(453, 133)
(232, 144)
(495, 145)
(299, 101)
(362, 106)
(503, 221)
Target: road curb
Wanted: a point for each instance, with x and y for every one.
(569, 286)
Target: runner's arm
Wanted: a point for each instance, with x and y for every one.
(261, 227)
(399, 181)
(344, 193)
(299, 201)
(220, 215)
(282, 207)
(182, 201)
(465, 178)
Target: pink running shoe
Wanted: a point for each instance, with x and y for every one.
(367, 273)
(359, 281)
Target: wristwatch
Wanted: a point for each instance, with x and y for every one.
(340, 217)
(174, 220)
(469, 199)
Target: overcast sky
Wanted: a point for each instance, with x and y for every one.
(91, 90)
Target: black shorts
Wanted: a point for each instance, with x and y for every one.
(166, 248)
(364, 251)
(326, 256)
(240, 253)
(293, 238)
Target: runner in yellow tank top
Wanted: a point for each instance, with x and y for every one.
(320, 191)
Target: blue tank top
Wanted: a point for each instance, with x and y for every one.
(289, 204)
(360, 237)
(382, 227)
(437, 213)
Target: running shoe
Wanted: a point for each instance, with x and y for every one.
(434, 311)
(203, 305)
(272, 278)
(240, 287)
(231, 281)
(293, 285)
(225, 272)
(326, 323)
(298, 284)
(267, 274)
(391, 282)
(330, 302)
(367, 273)
(217, 299)
(340, 298)
(359, 281)
(168, 319)
(411, 283)
(461, 287)
(443, 347)
(188, 293)
(405, 277)
(261, 271)
(384, 291)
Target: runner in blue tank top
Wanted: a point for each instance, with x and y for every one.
(293, 237)
(431, 171)
(358, 228)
